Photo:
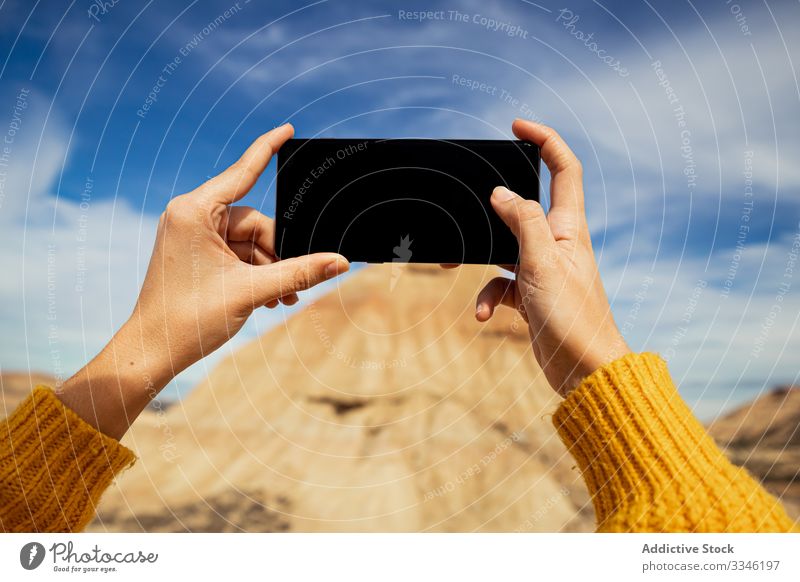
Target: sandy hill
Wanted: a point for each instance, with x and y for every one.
(15, 386)
(764, 437)
(383, 406)
(772, 420)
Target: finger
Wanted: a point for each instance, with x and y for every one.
(525, 218)
(297, 274)
(251, 253)
(248, 224)
(498, 291)
(232, 184)
(290, 299)
(566, 172)
(449, 265)
(271, 304)
(255, 255)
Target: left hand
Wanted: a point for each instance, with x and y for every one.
(212, 265)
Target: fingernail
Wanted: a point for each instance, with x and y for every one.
(503, 194)
(336, 267)
(479, 309)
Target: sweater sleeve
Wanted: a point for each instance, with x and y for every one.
(647, 461)
(53, 466)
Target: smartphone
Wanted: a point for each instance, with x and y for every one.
(400, 200)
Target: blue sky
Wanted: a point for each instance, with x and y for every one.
(686, 117)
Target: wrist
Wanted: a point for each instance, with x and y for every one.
(139, 357)
(111, 391)
(600, 354)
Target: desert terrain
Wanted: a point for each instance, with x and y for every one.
(384, 406)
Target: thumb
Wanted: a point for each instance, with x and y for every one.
(525, 218)
(297, 274)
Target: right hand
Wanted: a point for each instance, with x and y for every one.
(557, 288)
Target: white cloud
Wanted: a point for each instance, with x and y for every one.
(712, 338)
(75, 266)
(630, 142)
(624, 129)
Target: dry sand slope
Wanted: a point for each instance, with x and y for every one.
(16, 386)
(384, 406)
(764, 437)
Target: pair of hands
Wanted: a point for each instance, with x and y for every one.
(213, 264)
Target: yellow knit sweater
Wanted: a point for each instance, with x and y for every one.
(53, 466)
(647, 462)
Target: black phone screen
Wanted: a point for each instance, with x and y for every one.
(400, 200)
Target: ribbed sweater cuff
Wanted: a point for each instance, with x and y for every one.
(54, 466)
(648, 463)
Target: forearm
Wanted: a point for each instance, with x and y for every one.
(112, 390)
(649, 464)
(60, 451)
